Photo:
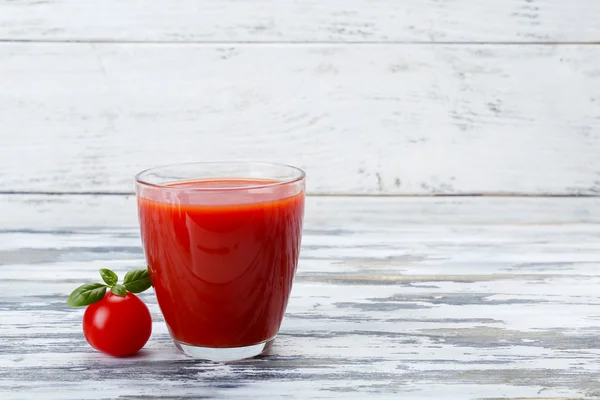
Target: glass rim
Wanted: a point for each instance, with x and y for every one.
(299, 176)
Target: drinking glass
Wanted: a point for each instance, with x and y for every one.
(222, 241)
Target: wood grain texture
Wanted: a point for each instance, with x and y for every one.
(386, 119)
(312, 21)
(439, 304)
(53, 213)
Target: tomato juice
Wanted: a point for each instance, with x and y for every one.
(222, 258)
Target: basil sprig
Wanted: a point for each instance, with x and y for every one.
(135, 281)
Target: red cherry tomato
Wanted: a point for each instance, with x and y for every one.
(117, 325)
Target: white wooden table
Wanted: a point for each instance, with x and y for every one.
(452, 241)
(450, 298)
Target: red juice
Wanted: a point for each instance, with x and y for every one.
(222, 268)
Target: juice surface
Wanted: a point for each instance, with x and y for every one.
(223, 270)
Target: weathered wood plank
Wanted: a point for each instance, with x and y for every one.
(42, 213)
(313, 21)
(449, 299)
(387, 119)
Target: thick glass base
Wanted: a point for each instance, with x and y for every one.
(223, 354)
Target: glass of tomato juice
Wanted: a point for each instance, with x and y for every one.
(222, 241)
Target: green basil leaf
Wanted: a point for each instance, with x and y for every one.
(137, 281)
(109, 277)
(119, 290)
(86, 294)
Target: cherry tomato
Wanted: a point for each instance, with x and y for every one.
(117, 325)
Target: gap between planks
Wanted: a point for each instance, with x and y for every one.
(295, 42)
(403, 195)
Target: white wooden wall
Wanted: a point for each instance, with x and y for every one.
(411, 97)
